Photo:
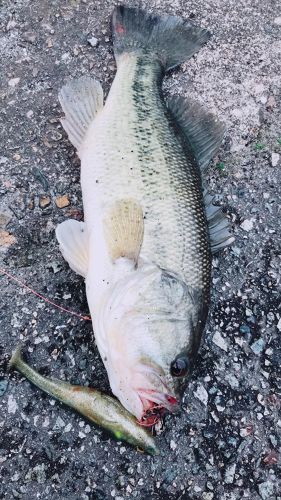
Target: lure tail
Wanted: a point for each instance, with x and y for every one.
(170, 39)
(16, 358)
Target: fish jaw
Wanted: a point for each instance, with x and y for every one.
(155, 394)
(155, 405)
(143, 392)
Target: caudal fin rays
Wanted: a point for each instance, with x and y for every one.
(170, 39)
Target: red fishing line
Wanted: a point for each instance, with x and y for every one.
(44, 298)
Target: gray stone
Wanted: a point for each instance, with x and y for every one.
(266, 490)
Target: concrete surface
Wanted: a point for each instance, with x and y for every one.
(225, 445)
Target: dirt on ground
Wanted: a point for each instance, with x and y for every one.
(225, 443)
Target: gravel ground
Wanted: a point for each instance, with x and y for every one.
(225, 444)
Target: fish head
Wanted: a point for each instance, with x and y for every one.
(153, 334)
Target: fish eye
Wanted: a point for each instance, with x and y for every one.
(180, 366)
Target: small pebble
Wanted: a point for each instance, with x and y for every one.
(201, 394)
(266, 490)
(207, 495)
(275, 157)
(173, 444)
(44, 201)
(247, 224)
(46, 422)
(271, 102)
(93, 41)
(13, 82)
(245, 329)
(11, 24)
(12, 404)
(60, 424)
(229, 474)
(271, 458)
(5, 217)
(6, 239)
(55, 266)
(62, 201)
(236, 251)
(29, 36)
(277, 21)
(246, 431)
(257, 346)
(220, 341)
(3, 386)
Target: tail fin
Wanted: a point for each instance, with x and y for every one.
(171, 39)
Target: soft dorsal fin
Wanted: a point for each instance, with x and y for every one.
(123, 228)
(204, 133)
(72, 237)
(203, 130)
(80, 100)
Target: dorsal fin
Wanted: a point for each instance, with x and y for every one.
(203, 130)
(204, 133)
(123, 227)
(80, 100)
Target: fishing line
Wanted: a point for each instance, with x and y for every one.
(87, 318)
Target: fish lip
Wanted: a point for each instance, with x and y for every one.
(155, 405)
(156, 397)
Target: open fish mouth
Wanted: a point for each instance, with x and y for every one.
(155, 405)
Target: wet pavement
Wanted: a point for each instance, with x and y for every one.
(225, 443)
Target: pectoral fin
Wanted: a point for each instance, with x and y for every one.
(123, 228)
(72, 237)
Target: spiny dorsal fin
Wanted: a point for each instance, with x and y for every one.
(123, 227)
(80, 100)
(219, 227)
(203, 130)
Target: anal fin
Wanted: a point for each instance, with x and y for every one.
(123, 229)
(80, 100)
(72, 237)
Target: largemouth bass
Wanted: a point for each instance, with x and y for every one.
(99, 408)
(145, 246)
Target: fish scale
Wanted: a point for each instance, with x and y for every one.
(182, 180)
(153, 167)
